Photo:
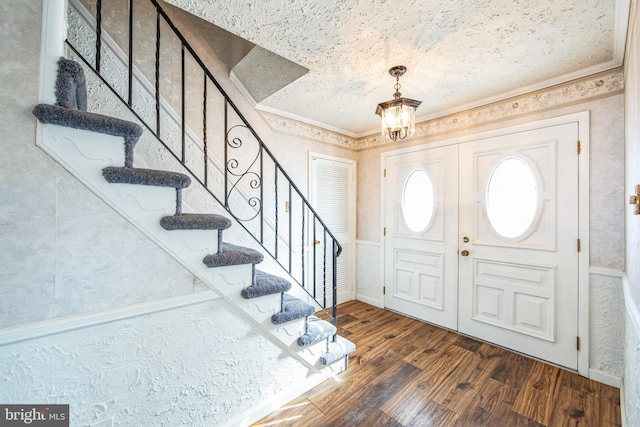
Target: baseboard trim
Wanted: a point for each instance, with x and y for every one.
(66, 324)
(605, 378)
(604, 271)
(369, 301)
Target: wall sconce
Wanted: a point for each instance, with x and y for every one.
(398, 115)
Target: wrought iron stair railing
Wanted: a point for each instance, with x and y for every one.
(252, 186)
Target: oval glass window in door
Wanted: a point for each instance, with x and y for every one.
(418, 200)
(511, 197)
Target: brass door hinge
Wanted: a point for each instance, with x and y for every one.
(384, 290)
(579, 246)
(579, 147)
(384, 231)
(385, 172)
(578, 343)
(287, 207)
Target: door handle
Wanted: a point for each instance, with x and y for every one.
(317, 242)
(464, 253)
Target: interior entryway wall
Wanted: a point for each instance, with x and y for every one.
(606, 201)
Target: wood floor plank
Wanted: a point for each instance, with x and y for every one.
(409, 373)
(535, 400)
(293, 414)
(512, 370)
(481, 410)
(434, 415)
(408, 402)
(506, 416)
(363, 403)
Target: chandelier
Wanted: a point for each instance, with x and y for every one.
(398, 115)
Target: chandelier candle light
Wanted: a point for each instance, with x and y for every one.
(399, 115)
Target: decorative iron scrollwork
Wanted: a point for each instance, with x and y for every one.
(243, 178)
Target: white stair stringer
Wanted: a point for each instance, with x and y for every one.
(84, 154)
(229, 281)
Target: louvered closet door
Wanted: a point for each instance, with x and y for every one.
(332, 191)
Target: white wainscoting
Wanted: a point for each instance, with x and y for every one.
(630, 388)
(369, 273)
(606, 326)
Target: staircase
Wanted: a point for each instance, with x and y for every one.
(71, 96)
(90, 145)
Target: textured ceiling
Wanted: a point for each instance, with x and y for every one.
(459, 53)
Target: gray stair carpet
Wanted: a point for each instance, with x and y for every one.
(71, 88)
(293, 308)
(195, 222)
(337, 350)
(71, 110)
(85, 120)
(265, 284)
(317, 330)
(159, 178)
(229, 254)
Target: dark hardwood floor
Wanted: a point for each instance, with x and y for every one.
(409, 373)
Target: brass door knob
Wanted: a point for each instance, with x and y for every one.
(464, 253)
(317, 242)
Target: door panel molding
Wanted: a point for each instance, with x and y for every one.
(581, 119)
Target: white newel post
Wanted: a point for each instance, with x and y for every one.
(54, 33)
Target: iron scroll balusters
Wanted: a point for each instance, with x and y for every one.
(234, 166)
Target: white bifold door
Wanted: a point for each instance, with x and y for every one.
(482, 237)
(332, 191)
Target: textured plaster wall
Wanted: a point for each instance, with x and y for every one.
(184, 367)
(632, 371)
(63, 251)
(632, 247)
(607, 323)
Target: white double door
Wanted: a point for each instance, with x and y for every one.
(481, 237)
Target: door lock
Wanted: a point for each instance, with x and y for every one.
(464, 253)
(465, 239)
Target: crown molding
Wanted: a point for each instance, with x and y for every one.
(603, 84)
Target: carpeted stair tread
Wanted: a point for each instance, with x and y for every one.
(317, 330)
(195, 222)
(265, 284)
(85, 120)
(293, 309)
(229, 254)
(158, 178)
(337, 350)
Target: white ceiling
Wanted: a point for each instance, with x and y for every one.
(459, 53)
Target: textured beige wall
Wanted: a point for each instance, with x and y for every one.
(63, 251)
(606, 175)
(632, 247)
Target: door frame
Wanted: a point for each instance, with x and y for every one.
(582, 120)
(352, 209)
